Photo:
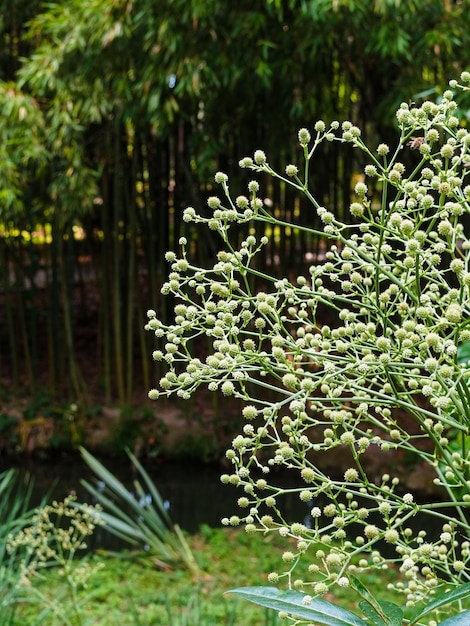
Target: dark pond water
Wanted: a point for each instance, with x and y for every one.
(193, 492)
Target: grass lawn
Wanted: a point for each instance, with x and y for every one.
(131, 589)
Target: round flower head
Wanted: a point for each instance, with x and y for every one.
(259, 157)
(304, 137)
(221, 178)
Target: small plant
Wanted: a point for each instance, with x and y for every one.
(139, 518)
(130, 590)
(55, 536)
(14, 514)
(384, 376)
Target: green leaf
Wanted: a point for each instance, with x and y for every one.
(462, 592)
(371, 613)
(136, 518)
(156, 497)
(379, 613)
(388, 614)
(463, 353)
(462, 619)
(365, 594)
(292, 602)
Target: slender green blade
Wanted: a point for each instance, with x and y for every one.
(105, 502)
(151, 516)
(185, 550)
(125, 527)
(462, 592)
(122, 530)
(139, 517)
(379, 613)
(108, 478)
(156, 497)
(292, 602)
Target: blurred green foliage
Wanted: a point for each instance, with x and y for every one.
(115, 113)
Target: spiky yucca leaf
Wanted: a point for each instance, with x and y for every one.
(136, 518)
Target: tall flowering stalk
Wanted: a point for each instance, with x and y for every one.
(56, 535)
(396, 283)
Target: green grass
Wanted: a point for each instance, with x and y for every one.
(131, 589)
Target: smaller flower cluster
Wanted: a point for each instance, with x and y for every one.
(57, 532)
(241, 210)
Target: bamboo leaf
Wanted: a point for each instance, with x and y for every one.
(292, 602)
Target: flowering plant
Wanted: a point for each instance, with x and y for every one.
(57, 533)
(383, 377)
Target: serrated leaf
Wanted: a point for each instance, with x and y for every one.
(320, 611)
(462, 592)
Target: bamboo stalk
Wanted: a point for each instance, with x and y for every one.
(116, 263)
(105, 300)
(53, 318)
(77, 385)
(23, 330)
(7, 299)
(131, 278)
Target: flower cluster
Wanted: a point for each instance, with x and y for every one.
(396, 280)
(56, 533)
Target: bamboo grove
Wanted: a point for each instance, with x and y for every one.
(114, 115)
